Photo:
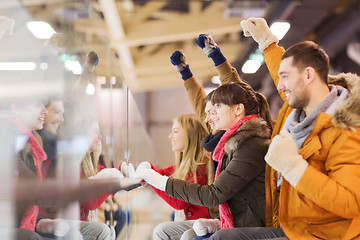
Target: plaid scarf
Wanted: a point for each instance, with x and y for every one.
(227, 219)
(30, 216)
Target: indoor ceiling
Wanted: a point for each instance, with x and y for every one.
(135, 38)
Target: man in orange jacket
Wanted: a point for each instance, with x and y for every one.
(313, 160)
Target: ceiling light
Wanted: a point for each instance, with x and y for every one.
(280, 29)
(73, 66)
(17, 66)
(250, 66)
(40, 29)
(90, 89)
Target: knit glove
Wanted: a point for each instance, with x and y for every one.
(283, 157)
(203, 226)
(206, 43)
(178, 59)
(209, 46)
(57, 227)
(91, 61)
(258, 29)
(108, 173)
(6, 26)
(127, 169)
(152, 177)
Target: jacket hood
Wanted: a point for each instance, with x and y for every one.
(347, 113)
(253, 128)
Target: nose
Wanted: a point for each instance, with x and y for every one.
(61, 118)
(207, 118)
(280, 85)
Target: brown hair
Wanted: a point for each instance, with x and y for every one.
(235, 93)
(308, 53)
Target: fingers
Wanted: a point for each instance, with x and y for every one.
(127, 169)
(177, 58)
(200, 40)
(92, 59)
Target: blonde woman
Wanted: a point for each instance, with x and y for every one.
(192, 164)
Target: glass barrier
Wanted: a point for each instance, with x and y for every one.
(66, 113)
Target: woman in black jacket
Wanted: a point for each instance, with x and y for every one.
(238, 188)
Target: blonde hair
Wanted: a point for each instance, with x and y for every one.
(194, 155)
(89, 163)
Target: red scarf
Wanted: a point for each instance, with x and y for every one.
(30, 216)
(227, 219)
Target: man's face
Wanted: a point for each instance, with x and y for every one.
(292, 84)
(55, 117)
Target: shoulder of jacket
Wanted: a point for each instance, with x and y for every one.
(253, 128)
(347, 113)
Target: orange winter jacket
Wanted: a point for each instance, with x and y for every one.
(325, 204)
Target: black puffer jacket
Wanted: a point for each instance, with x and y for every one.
(242, 178)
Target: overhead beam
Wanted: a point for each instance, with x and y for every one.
(117, 33)
(183, 28)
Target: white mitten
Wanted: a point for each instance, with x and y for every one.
(283, 157)
(127, 169)
(6, 26)
(203, 226)
(143, 165)
(152, 177)
(57, 227)
(258, 29)
(108, 173)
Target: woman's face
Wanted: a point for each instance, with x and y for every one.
(177, 137)
(96, 138)
(32, 115)
(224, 116)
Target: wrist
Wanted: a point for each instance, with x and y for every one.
(186, 73)
(217, 56)
(295, 173)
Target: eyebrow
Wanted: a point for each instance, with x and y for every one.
(282, 72)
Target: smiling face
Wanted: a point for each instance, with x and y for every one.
(225, 116)
(32, 116)
(55, 117)
(96, 138)
(210, 114)
(177, 137)
(292, 84)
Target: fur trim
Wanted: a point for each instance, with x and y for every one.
(347, 113)
(253, 128)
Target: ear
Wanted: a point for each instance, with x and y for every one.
(309, 75)
(239, 109)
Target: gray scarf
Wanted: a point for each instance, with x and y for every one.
(300, 126)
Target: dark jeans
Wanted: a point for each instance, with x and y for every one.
(249, 233)
(120, 217)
